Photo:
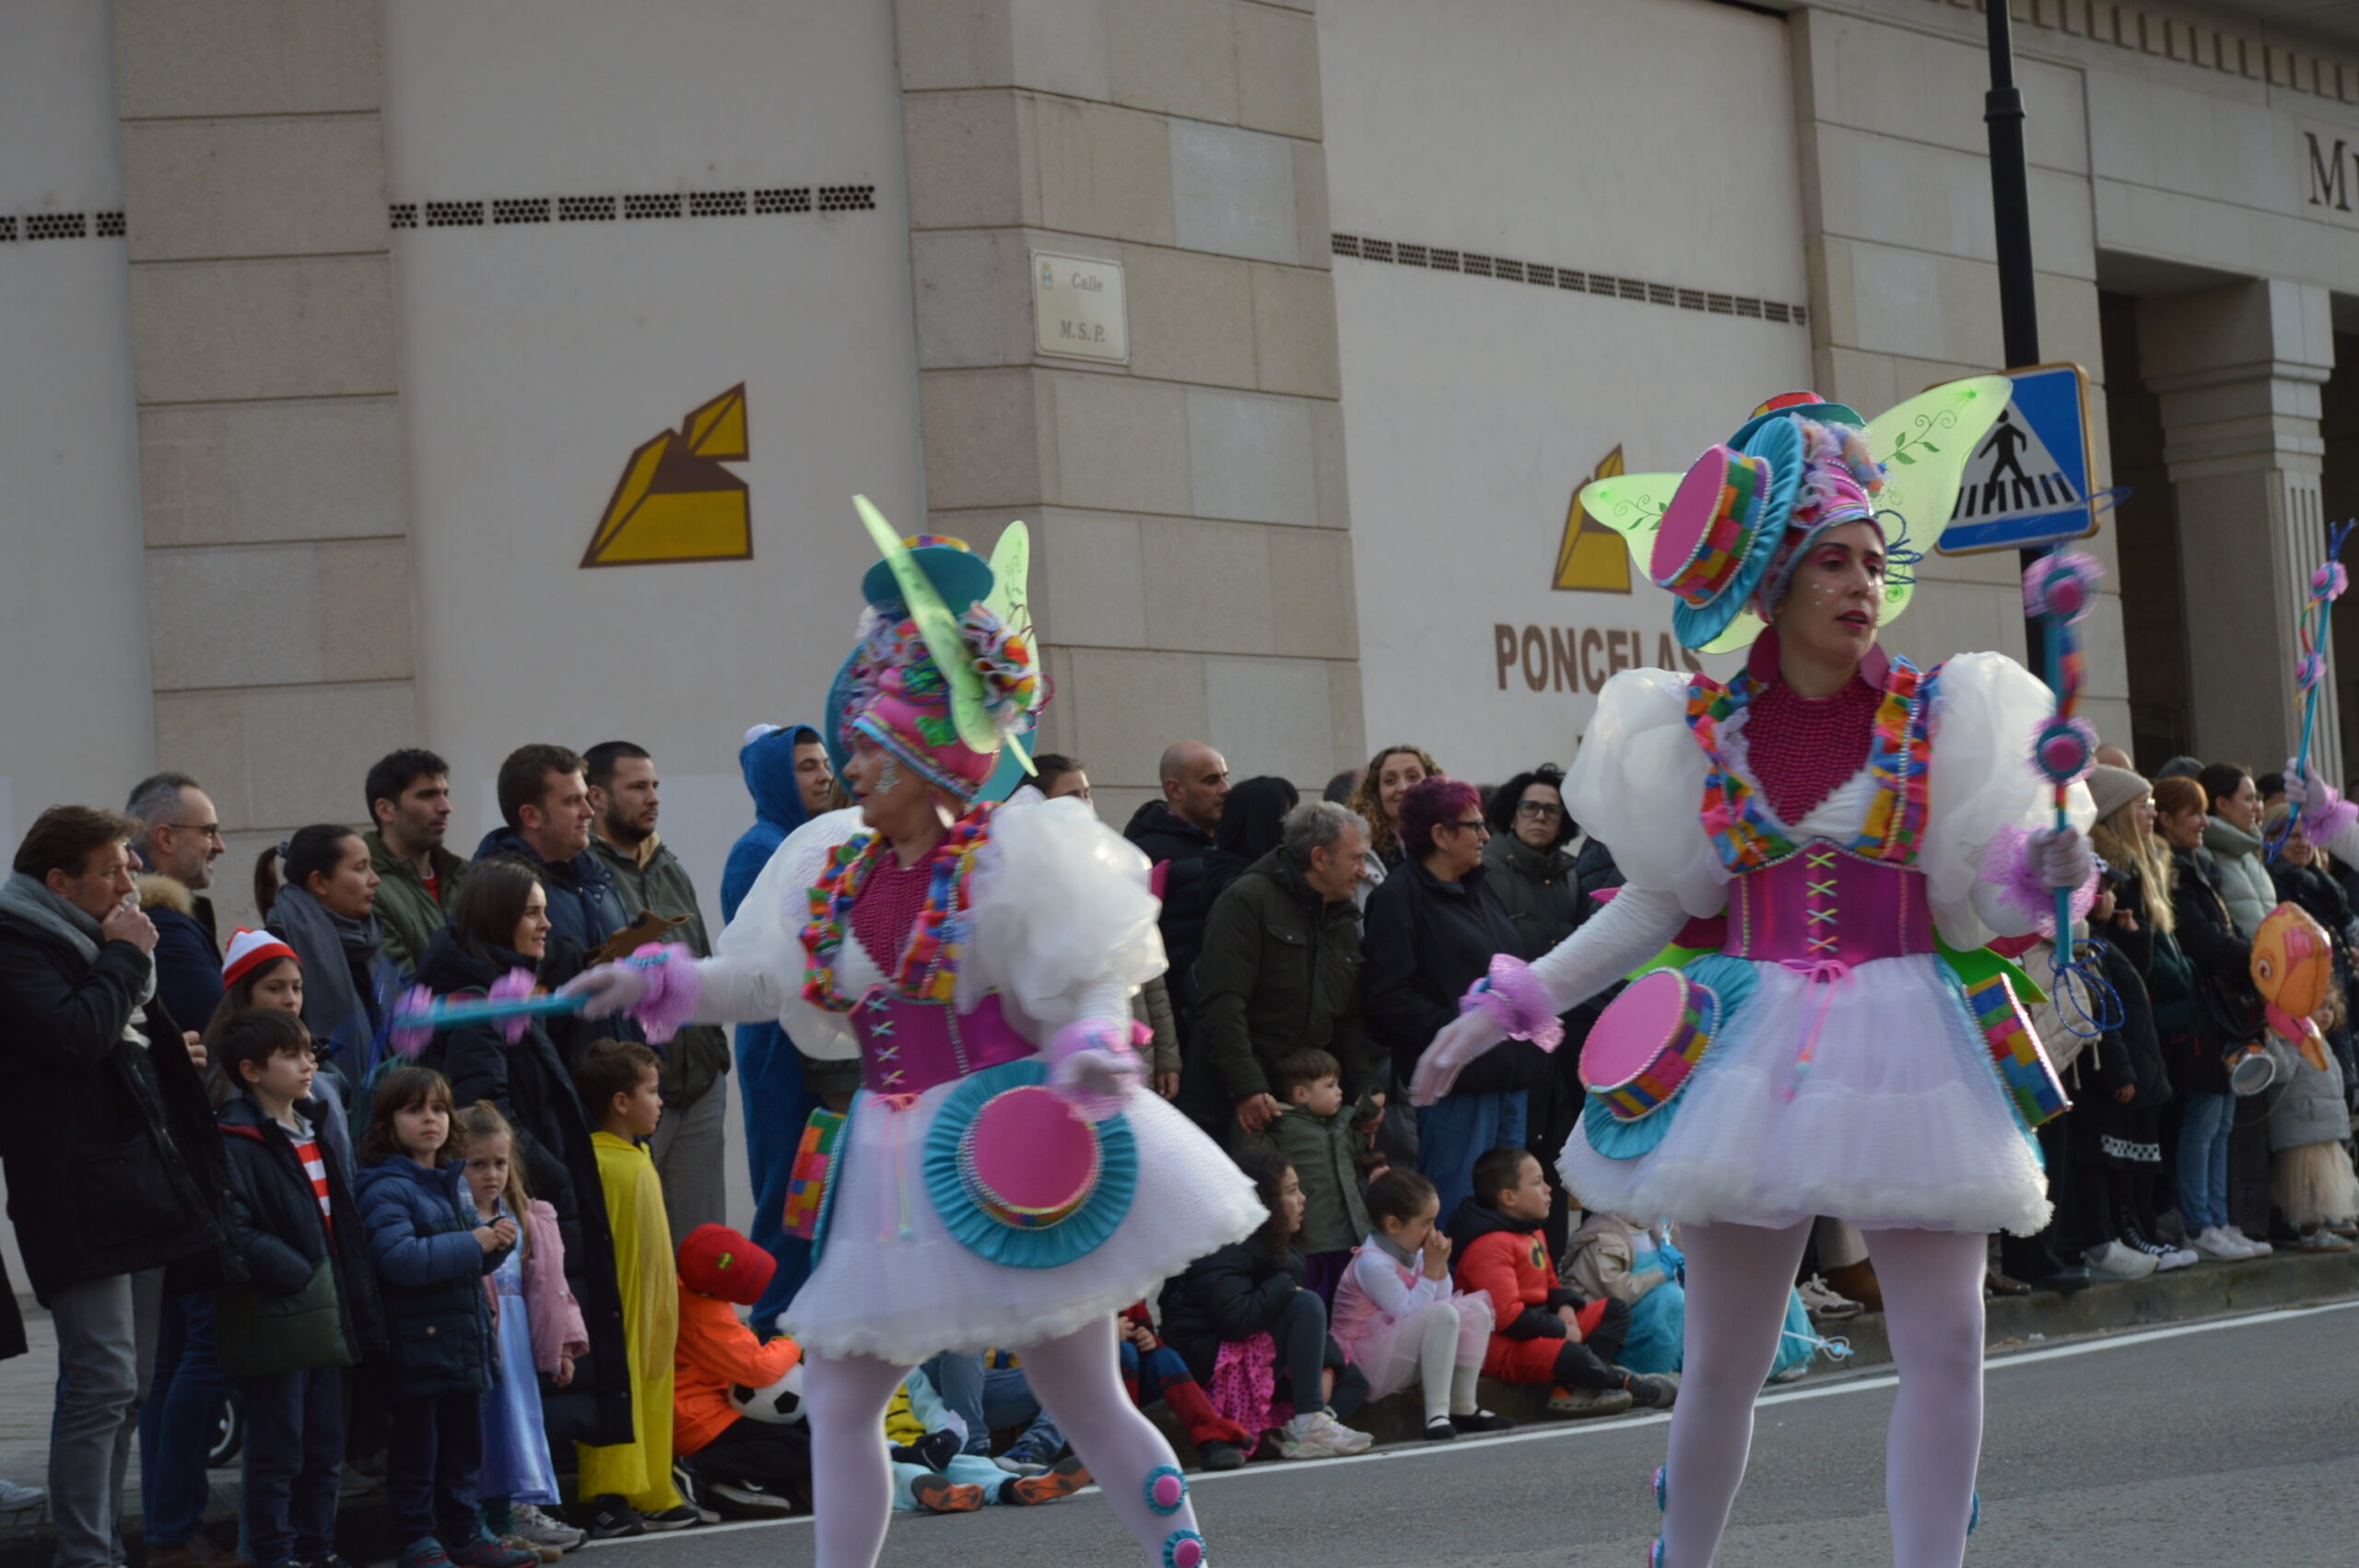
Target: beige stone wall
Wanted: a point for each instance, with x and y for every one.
(263, 364)
(1192, 574)
(1903, 280)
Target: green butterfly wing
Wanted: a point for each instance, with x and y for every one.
(1632, 505)
(1923, 444)
(1011, 601)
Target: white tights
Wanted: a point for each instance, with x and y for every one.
(1737, 1281)
(1449, 1384)
(1077, 1380)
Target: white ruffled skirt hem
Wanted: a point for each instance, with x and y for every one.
(893, 1283)
(1898, 1123)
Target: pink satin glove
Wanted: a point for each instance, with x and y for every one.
(2063, 860)
(610, 988)
(1460, 1042)
(1093, 1066)
(2325, 813)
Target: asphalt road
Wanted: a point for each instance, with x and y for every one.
(2186, 1447)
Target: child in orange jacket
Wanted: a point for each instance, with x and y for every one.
(1545, 1332)
(746, 1465)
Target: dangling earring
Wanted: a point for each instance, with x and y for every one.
(888, 774)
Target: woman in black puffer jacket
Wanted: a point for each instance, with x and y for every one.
(500, 922)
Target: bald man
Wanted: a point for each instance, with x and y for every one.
(1177, 829)
(2111, 756)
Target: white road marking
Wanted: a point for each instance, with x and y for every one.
(1557, 1431)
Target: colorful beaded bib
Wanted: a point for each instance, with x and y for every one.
(928, 969)
(1748, 837)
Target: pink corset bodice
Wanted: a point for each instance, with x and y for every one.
(1825, 903)
(907, 1047)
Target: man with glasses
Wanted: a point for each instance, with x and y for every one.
(180, 837)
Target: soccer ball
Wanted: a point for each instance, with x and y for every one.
(780, 1402)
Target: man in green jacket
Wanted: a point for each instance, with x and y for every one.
(417, 879)
(688, 1143)
(1280, 973)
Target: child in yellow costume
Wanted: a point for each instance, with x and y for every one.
(628, 1486)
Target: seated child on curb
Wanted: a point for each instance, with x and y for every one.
(1152, 1370)
(310, 1309)
(750, 1468)
(1399, 1319)
(1254, 1332)
(1614, 1257)
(1546, 1332)
(1315, 1134)
(931, 1476)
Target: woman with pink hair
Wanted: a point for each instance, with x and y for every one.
(1432, 927)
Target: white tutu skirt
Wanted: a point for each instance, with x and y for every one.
(1898, 1123)
(893, 1283)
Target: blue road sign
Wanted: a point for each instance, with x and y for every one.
(2028, 483)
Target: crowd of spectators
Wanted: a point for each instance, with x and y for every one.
(465, 1272)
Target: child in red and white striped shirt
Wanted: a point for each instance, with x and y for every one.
(310, 1309)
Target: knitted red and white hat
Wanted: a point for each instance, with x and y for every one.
(250, 951)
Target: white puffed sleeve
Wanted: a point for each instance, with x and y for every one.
(1064, 919)
(1986, 710)
(1638, 786)
(755, 972)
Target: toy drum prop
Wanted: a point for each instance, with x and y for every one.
(1027, 1160)
(1019, 1177)
(1646, 1043)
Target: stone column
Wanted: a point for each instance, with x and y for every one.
(1193, 575)
(2238, 370)
(263, 350)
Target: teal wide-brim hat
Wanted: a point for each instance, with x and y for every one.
(1774, 440)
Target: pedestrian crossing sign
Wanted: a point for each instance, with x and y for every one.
(2027, 482)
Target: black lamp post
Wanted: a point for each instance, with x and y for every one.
(2002, 112)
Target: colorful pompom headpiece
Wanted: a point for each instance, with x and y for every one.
(1724, 538)
(945, 675)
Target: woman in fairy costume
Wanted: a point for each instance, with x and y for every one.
(1000, 1181)
(1857, 831)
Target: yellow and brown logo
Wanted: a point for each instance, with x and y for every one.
(674, 501)
(1592, 559)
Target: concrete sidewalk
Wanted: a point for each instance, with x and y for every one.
(2209, 1290)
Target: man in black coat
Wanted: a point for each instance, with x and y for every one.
(1176, 833)
(116, 1171)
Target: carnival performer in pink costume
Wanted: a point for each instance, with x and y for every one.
(1001, 1182)
(1856, 831)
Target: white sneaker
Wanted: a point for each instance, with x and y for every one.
(1319, 1435)
(541, 1530)
(1823, 1302)
(2255, 1248)
(2217, 1244)
(2115, 1261)
(2175, 1257)
(2319, 1240)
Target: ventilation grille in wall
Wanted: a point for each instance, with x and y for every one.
(1474, 264)
(60, 225)
(633, 206)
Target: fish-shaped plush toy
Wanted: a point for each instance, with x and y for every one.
(2292, 964)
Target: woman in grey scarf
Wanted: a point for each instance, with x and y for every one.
(325, 911)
